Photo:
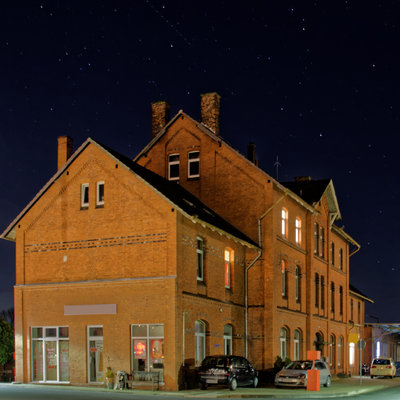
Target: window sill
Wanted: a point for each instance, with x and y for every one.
(85, 208)
(99, 205)
(200, 283)
(193, 178)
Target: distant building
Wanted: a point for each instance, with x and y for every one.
(191, 249)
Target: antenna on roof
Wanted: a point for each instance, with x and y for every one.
(277, 164)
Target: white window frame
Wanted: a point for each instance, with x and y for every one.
(98, 201)
(89, 338)
(228, 339)
(228, 255)
(45, 339)
(200, 342)
(285, 222)
(193, 160)
(200, 259)
(331, 349)
(339, 351)
(84, 186)
(283, 341)
(298, 231)
(296, 344)
(170, 163)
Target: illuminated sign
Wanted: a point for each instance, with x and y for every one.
(139, 349)
(157, 348)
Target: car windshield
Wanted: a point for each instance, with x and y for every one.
(215, 362)
(381, 362)
(300, 365)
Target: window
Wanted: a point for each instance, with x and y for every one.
(95, 354)
(228, 267)
(319, 343)
(228, 340)
(147, 349)
(298, 284)
(200, 336)
(100, 194)
(341, 300)
(340, 351)
(200, 259)
(173, 167)
(322, 242)
(316, 238)
(351, 353)
(378, 349)
(297, 348)
(331, 350)
(284, 278)
(332, 253)
(322, 292)
(283, 340)
(358, 312)
(194, 164)
(316, 290)
(298, 231)
(351, 310)
(341, 258)
(332, 297)
(285, 223)
(85, 195)
(50, 354)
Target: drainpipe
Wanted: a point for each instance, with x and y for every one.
(246, 300)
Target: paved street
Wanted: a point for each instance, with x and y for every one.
(380, 389)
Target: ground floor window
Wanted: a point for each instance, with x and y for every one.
(297, 344)
(352, 348)
(147, 350)
(339, 351)
(95, 357)
(228, 339)
(200, 335)
(50, 354)
(283, 340)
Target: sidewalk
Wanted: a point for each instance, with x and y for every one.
(340, 388)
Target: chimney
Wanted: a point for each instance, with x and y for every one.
(302, 178)
(251, 152)
(160, 116)
(210, 103)
(64, 150)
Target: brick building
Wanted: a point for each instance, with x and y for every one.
(190, 249)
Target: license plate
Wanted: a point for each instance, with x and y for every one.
(211, 380)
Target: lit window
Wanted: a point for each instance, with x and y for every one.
(298, 283)
(297, 348)
(194, 164)
(100, 194)
(332, 297)
(200, 259)
(228, 267)
(378, 349)
(85, 195)
(285, 222)
(283, 341)
(228, 342)
(298, 231)
(316, 238)
(333, 253)
(351, 353)
(173, 167)
(284, 278)
(200, 338)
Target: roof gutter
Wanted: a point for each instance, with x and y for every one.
(341, 232)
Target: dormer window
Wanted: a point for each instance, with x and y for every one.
(85, 195)
(173, 167)
(100, 194)
(194, 164)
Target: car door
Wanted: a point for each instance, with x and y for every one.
(323, 372)
(247, 372)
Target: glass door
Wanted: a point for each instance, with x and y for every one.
(95, 356)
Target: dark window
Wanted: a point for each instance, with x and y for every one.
(173, 167)
(316, 290)
(194, 164)
(322, 243)
(316, 236)
(200, 259)
(333, 253)
(322, 292)
(341, 299)
(332, 297)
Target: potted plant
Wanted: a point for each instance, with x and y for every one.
(109, 378)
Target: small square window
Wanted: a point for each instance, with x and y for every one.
(194, 164)
(85, 195)
(100, 194)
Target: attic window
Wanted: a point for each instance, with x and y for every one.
(100, 194)
(85, 195)
(173, 167)
(194, 164)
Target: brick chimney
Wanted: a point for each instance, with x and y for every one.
(210, 105)
(160, 116)
(64, 150)
(251, 153)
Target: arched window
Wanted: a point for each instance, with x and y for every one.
(284, 278)
(352, 348)
(200, 336)
(229, 258)
(297, 345)
(332, 350)
(340, 351)
(298, 284)
(298, 231)
(341, 300)
(322, 279)
(283, 340)
(332, 297)
(319, 343)
(285, 223)
(228, 343)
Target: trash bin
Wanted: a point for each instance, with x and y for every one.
(122, 377)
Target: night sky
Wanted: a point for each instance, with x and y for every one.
(315, 83)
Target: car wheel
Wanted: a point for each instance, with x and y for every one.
(255, 382)
(328, 382)
(203, 385)
(233, 384)
(372, 377)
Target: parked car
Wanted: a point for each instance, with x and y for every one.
(295, 374)
(232, 371)
(382, 367)
(397, 365)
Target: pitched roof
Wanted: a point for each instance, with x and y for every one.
(173, 192)
(358, 293)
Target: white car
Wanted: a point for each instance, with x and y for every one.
(295, 374)
(382, 367)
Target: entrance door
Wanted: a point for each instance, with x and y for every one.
(95, 356)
